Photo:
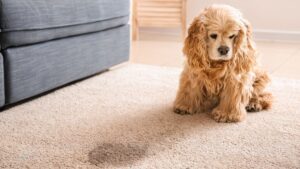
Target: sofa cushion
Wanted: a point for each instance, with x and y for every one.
(54, 63)
(19, 38)
(2, 93)
(42, 14)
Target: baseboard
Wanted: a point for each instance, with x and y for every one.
(271, 35)
(259, 34)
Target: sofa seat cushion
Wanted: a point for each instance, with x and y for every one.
(27, 37)
(25, 22)
(42, 14)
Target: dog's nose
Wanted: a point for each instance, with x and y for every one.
(223, 50)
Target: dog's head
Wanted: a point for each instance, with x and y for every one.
(219, 34)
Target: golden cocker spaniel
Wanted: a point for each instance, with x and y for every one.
(221, 74)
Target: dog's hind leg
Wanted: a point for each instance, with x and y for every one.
(261, 99)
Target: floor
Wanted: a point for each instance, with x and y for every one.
(123, 119)
(279, 58)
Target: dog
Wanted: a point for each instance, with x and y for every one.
(222, 73)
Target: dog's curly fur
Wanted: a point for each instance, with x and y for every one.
(227, 88)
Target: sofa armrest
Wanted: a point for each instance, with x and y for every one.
(2, 89)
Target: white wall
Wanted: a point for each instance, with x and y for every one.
(271, 19)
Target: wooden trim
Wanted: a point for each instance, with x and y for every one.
(160, 0)
(158, 13)
(183, 19)
(135, 27)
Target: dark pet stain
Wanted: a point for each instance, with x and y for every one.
(117, 154)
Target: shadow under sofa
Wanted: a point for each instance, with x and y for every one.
(46, 44)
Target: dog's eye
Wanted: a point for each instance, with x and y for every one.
(232, 36)
(214, 36)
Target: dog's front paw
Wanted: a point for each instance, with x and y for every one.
(254, 107)
(224, 117)
(182, 110)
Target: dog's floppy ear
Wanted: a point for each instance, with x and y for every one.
(244, 48)
(249, 36)
(195, 47)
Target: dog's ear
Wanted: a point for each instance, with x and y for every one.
(244, 48)
(195, 47)
(251, 44)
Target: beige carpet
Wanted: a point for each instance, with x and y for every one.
(123, 119)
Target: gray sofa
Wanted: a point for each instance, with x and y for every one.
(49, 43)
